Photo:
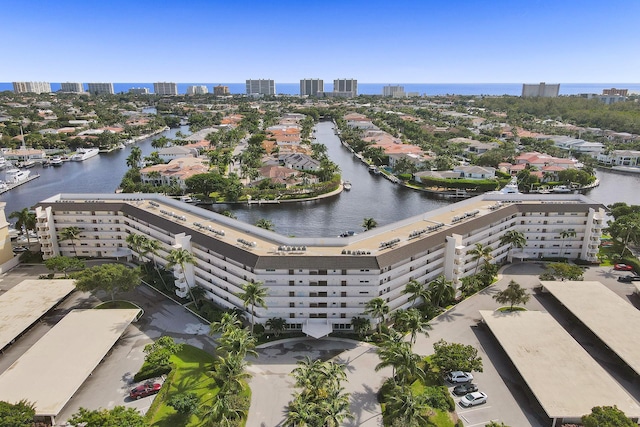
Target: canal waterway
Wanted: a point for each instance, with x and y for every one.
(371, 196)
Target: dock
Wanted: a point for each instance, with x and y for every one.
(10, 187)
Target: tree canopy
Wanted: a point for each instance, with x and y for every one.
(16, 415)
(116, 417)
(456, 357)
(111, 278)
(607, 416)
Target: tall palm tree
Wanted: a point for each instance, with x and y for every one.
(369, 223)
(136, 242)
(360, 325)
(417, 290)
(182, 257)
(441, 291)
(416, 324)
(253, 293)
(236, 341)
(133, 161)
(404, 362)
(153, 246)
(479, 252)
(407, 406)
(228, 321)
(514, 239)
(377, 308)
(71, 233)
(25, 220)
(564, 235)
(231, 371)
(277, 325)
(224, 410)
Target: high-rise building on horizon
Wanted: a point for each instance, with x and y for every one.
(100, 88)
(221, 90)
(31, 87)
(345, 88)
(394, 91)
(197, 90)
(311, 87)
(139, 90)
(71, 87)
(165, 88)
(541, 90)
(260, 87)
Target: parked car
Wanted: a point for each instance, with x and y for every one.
(473, 399)
(20, 249)
(622, 267)
(462, 389)
(628, 279)
(144, 390)
(456, 377)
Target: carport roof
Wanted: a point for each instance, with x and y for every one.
(607, 315)
(22, 305)
(565, 379)
(53, 369)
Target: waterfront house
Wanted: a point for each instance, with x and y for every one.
(620, 158)
(174, 172)
(174, 152)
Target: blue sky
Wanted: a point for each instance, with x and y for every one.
(401, 41)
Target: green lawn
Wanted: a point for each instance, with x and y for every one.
(189, 375)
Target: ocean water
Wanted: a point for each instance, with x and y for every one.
(496, 89)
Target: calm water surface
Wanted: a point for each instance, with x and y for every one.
(371, 196)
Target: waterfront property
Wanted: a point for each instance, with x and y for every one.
(319, 284)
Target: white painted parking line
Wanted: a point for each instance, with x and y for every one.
(480, 407)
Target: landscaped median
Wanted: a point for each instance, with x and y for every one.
(191, 373)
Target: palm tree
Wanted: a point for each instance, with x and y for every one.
(231, 372)
(265, 223)
(228, 321)
(369, 223)
(441, 291)
(224, 411)
(182, 257)
(26, 220)
(417, 290)
(153, 246)
(480, 252)
(360, 325)
(253, 294)
(133, 161)
(404, 362)
(335, 410)
(407, 406)
(565, 234)
(277, 325)
(70, 233)
(136, 242)
(415, 324)
(514, 239)
(377, 308)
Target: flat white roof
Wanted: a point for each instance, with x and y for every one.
(25, 303)
(53, 369)
(607, 315)
(565, 379)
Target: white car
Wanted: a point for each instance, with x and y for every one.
(473, 399)
(456, 377)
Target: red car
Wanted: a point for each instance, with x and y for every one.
(144, 390)
(623, 267)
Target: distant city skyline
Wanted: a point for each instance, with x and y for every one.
(463, 41)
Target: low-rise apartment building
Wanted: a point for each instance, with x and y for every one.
(320, 284)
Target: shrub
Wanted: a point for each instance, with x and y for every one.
(149, 371)
(184, 403)
(439, 398)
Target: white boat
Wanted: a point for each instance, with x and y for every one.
(15, 176)
(562, 189)
(56, 161)
(511, 187)
(3, 162)
(347, 185)
(83, 154)
(26, 164)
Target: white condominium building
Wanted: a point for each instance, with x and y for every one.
(197, 90)
(71, 87)
(260, 87)
(311, 87)
(346, 86)
(165, 88)
(393, 91)
(319, 284)
(100, 88)
(31, 87)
